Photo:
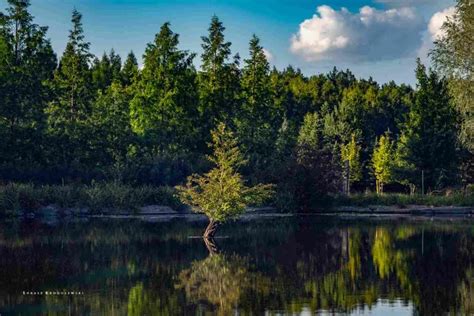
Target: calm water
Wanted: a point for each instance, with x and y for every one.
(303, 265)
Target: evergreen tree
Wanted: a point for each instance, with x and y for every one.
(382, 162)
(256, 124)
(72, 105)
(429, 135)
(106, 70)
(218, 79)
(27, 62)
(221, 194)
(130, 70)
(110, 121)
(164, 103)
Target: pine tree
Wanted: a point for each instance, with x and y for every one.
(27, 62)
(164, 103)
(71, 108)
(218, 79)
(130, 70)
(256, 124)
(382, 162)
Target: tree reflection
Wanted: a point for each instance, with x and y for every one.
(218, 281)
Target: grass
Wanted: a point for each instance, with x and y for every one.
(97, 197)
(402, 200)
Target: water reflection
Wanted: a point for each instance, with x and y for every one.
(299, 265)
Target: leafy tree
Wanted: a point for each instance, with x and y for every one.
(221, 194)
(316, 171)
(453, 56)
(429, 136)
(350, 152)
(310, 131)
(164, 102)
(27, 62)
(382, 161)
(71, 107)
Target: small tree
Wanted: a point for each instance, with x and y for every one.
(382, 160)
(221, 194)
(351, 152)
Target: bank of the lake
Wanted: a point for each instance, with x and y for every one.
(124, 200)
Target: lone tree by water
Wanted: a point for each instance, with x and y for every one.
(221, 194)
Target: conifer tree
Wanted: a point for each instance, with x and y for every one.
(256, 124)
(72, 105)
(27, 62)
(221, 194)
(164, 102)
(130, 70)
(218, 79)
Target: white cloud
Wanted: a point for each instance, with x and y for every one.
(433, 32)
(437, 20)
(268, 54)
(368, 35)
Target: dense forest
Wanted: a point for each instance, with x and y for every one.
(79, 118)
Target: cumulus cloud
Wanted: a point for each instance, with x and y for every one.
(368, 35)
(268, 54)
(437, 20)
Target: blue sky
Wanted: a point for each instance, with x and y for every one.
(384, 45)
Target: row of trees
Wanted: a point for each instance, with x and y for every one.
(83, 117)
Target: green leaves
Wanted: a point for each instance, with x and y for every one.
(221, 193)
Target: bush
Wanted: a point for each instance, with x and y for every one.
(15, 198)
(455, 199)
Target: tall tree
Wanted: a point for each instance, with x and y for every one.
(218, 79)
(453, 55)
(71, 107)
(27, 61)
(428, 142)
(256, 124)
(164, 103)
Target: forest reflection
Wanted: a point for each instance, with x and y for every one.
(282, 265)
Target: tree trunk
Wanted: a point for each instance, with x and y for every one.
(211, 246)
(211, 229)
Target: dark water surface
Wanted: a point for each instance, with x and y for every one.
(303, 266)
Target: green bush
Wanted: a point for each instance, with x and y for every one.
(97, 197)
(402, 200)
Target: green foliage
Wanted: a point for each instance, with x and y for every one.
(221, 194)
(162, 109)
(402, 200)
(351, 152)
(453, 55)
(97, 197)
(428, 139)
(382, 161)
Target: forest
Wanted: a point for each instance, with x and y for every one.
(75, 118)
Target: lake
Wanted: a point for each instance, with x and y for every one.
(298, 265)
